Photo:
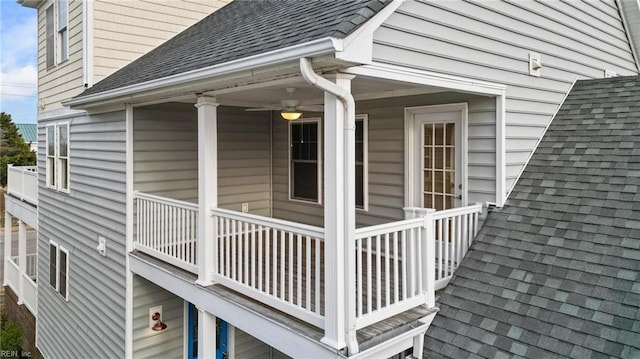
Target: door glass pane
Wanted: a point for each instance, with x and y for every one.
(439, 129)
(439, 164)
(450, 134)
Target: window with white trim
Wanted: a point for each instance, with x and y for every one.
(50, 44)
(305, 167)
(59, 269)
(63, 33)
(57, 156)
(304, 154)
(362, 129)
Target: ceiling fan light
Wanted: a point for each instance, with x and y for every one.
(290, 115)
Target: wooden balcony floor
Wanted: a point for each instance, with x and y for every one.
(367, 337)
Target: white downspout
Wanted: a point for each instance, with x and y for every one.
(350, 112)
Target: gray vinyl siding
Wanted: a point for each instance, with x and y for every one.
(149, 344)
(386, 158)
(92, 323)
(248, 347)
(491, 41)
(166, 155)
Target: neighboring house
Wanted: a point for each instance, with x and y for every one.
(222, 229)
(555, 272)
(29, 133)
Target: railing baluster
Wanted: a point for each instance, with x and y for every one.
(387, 273)
(396, 268)
(308, 271)
(260, 229)
(282, 256)
(360, 274)
(369, 275)
(378, 282)
(403, 245)
(299, 277)
(267, 267)
(252, 263)
(290, 266)
(318, 280)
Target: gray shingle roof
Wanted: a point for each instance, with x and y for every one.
(244, 28)
(556, 271)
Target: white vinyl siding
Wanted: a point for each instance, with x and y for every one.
(491, 41)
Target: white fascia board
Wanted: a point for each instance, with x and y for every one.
(358, 46)
(22, 211)
(427, 78)
(128, 93)
(630, 11)
(59, 113)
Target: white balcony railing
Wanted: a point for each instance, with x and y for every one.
(279, 263)
(167, 229)
(28, 294)
(398, 265)
(455, 230)
(392, 269)
(22, 182)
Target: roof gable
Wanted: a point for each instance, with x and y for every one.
(556, 271)
(242, 29)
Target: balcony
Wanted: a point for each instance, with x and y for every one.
(394, 267)
(22, 183)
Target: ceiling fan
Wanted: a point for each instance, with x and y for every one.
(289, 108)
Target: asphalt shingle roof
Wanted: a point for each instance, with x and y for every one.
(241, 29)
(28, 131)
(556, 271)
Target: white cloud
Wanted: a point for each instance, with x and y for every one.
(21, 81)
(19, 42)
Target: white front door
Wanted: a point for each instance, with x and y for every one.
(436, 156)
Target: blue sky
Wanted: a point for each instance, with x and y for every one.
(18, 61)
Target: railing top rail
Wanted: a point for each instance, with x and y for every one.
(280, 224)
(22, 168)
(477, 207)
(167, 201)
(388, 227)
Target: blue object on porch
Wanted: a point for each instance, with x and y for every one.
(222, 336)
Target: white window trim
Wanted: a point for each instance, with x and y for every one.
(68, 158)
(57, 170)
(318, 121)
(60, 248)
(48, 171)
(365, 162)
(66, 267)
(59, 28)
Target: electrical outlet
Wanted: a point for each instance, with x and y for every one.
(245, 207)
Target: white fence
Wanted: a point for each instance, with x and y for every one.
(22, 182)
(455, 230)
(277, 262)
(167, 229)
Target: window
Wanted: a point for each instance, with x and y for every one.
(63, 33)
(59, 269)
(304, 154)
(57, 165)
(361, 161)
(50, 42)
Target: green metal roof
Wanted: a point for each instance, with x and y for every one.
(28, 131)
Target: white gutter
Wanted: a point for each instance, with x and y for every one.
(350, 123)
(313, 48)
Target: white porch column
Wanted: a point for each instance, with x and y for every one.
(206, 335)
(22, 259)
(339, 219)
(7, 245)
(207, 187)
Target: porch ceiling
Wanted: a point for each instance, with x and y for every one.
(271, 94)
